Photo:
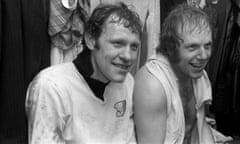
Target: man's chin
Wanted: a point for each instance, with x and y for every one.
(197, 75)
(119, 78)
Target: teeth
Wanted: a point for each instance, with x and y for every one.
(198, 65)
(122, 66)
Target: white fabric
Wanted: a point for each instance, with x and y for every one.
(61, 109)
(70, 4)
(159, 66)
(59, 56)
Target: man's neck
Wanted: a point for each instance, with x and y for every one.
(184, 82)
(182, 78)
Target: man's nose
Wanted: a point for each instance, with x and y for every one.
(126, 54)
(204, 53)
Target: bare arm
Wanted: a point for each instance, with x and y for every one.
(150, 108)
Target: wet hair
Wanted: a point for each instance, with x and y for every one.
(181, 19)
(120, 13)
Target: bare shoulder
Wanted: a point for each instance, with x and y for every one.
(148, 90)
(150, 107)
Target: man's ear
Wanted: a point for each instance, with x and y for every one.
(90, 41)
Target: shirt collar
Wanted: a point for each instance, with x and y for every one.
(83, 63)
(84, 66)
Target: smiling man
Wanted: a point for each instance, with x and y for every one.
(172, 88)
(89, 100)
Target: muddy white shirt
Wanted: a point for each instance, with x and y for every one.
(61, 108)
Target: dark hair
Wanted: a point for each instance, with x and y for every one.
(182, 17)
(100, 15)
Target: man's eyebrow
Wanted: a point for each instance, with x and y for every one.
(192, 45)
(118, 40)
(209, 43)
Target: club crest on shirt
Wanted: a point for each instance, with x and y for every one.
(120, 108)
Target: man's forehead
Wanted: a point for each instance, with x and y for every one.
(114, 19)
(112, 23)
(193, 28)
